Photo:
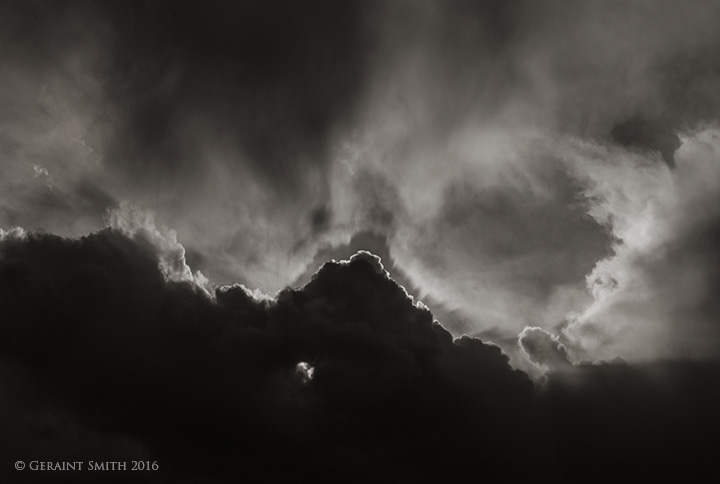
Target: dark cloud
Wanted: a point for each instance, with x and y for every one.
(378, 244)
(495, 154)
(643, 421)
(103, 356)
(93, 328)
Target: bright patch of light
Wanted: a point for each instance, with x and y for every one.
(305, 371)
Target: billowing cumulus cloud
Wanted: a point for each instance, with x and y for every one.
(348, 366)
(191, 195)
(106, 357)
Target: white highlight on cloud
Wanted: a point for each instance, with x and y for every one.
(14, 233)
(305, 371)
(648, 296)
(544, 350)
(40, 171)
(140, 225)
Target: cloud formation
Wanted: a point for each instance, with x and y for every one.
(654, 296)
(468, 118)
(109, 341)
(520, 165)
(543, 349)
(103, 354)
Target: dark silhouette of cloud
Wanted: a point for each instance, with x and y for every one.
(94, 330)
(640, 421)
(104, 354)
(378, 244)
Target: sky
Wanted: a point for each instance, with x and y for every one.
(496, 217)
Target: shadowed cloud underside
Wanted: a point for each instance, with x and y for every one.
(104, 353)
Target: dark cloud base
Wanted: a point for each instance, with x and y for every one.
(101, 358)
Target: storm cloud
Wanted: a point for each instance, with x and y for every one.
(94, 329)
(264, 131)
(191, 195)
(104, 354)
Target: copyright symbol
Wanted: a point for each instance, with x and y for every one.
(19, 465)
